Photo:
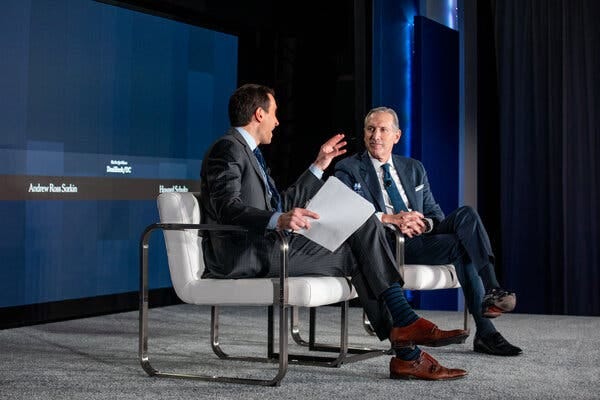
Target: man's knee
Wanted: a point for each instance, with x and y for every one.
(370, 228)
(467, 210)
(467, 214)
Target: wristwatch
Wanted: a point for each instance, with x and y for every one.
(428, 225)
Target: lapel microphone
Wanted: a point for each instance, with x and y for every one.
(387, 183)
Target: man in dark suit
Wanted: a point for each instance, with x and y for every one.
(236, 189)
(398, 188)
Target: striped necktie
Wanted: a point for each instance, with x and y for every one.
(392, 190)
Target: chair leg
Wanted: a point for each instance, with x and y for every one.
(295, 327)
(357, 353)
(367, 324)
(352, 354)
(214, 333)
(466, 315)
(310, 359)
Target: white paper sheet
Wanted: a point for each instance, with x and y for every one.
(341, 212)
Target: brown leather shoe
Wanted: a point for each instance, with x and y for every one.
(425, 367)
(425, 333)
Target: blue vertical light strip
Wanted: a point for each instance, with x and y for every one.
(451, 14)
(407, 40)
(393, 22)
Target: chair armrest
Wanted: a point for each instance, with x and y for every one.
(399, 239)
(203, 227)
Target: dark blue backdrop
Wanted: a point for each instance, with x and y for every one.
(83, 84)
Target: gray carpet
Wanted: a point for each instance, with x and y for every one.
(96, 358)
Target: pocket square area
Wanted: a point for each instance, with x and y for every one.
(420, 187)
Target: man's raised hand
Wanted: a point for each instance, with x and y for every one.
(331, 149)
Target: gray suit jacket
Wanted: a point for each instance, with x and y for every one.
(233, 193)
(358, 173)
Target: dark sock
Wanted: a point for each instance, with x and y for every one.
(408, 353)
(488, 277)
(485, 334)
(401, 311)
(484, 327)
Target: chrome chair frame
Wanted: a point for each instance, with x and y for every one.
(361, 353)
(214, 331)
(282, 357)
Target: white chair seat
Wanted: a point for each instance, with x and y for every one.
(430, 277)
(302, 291)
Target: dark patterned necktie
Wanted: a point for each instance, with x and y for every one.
(275, 197)
(392, 190)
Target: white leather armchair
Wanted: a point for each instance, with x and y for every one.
(179, 220)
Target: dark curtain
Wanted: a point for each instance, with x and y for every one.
(548, 92)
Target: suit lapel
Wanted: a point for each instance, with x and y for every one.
(248, 152)
(253, 162)
(408, 183)
(369, 175)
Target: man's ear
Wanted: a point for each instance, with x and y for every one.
(259, 114)
(398, 136)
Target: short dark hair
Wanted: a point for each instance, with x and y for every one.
(245, 100)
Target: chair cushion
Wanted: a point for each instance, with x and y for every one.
(302, 291)
(429, 277)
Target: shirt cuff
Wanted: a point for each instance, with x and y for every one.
(429, 223)
(318, 172)
(379, 215)
(273, 221)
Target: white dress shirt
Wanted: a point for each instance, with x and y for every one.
(389, 208)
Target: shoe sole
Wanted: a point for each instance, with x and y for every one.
(492, 312)
(435, 343)
(497, 354)
(413, 377)
(486, 350)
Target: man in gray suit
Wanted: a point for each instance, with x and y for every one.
(236, 189)
(398, 188)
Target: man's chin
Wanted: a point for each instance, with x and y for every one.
(377, 153)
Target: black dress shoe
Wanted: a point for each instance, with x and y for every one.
(495, 345)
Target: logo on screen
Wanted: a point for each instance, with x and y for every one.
(119, 167)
